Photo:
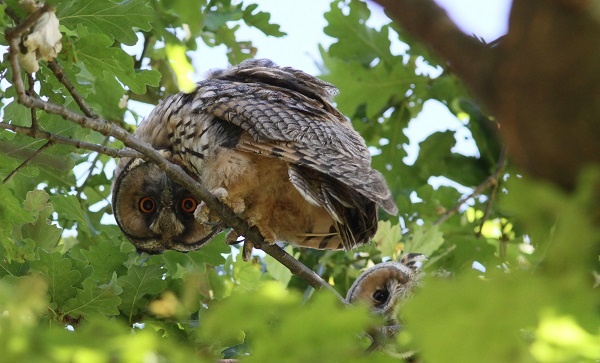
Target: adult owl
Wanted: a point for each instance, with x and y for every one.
(266, 140)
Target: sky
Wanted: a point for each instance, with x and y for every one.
(303, 22)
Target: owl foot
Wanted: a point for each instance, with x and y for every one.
(232, 238)
(247, 250)
(267, 233)
(236, 204)
(204, 215)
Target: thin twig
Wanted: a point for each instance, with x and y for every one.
(138, 62)
(23, 26)
(26, 162)
(491, 180)
(10, 12)
(173, 171)
(488, 207)
(57, 139)
(31, 91)
(91, 169)
(59, 73)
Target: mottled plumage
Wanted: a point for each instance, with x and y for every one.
(269, 142)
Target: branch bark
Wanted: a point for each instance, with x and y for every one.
(541, 82)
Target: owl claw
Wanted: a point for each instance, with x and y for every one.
(267, 233)
(203, 215)
(232, 239)
(247, 250)
(236, 204)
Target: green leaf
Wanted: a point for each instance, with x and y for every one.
(104, 61)
(2, 19)
(36, 201)
(117, 19)
(216, 17)
(426, 239)
(277, 270)
(105, 259)
(45, 234)
(436, 158)
(220, 286)
(260, 20)
(17, 114)
(179, 264)
(356, 41)
(59, 276)
(68, 207)
(92, 300)
(247, 275)
(371, 88)
(137, 285)
(11, 211)
(388, 239)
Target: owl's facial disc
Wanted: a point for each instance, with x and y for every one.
(156, 214)
(380, 286)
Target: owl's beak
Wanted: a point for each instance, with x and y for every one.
(167, 225)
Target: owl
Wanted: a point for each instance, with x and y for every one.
(269, 143)
(383, 286)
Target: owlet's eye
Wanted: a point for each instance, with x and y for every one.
(380, 296)
(147, 205)
(188, 205)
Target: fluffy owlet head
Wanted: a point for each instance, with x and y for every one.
(385, 285)
(155, 213)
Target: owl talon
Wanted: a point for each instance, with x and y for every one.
(247, 250)
(236, 204)
(232, 238)
(267, 233)
(203, 215)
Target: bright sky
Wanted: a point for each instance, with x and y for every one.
(303, 22)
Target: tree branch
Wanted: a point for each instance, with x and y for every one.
(491, 180)
(57, 139)
(148, 153)
(497, 173)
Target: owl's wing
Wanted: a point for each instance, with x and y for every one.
(304, 131)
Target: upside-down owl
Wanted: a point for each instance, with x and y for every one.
(269, 143)
(383, 288)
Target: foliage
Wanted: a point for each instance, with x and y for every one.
(72, 289)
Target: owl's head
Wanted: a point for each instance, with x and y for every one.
(155, 213)
(385, 285)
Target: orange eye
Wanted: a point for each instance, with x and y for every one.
(188, 205)
(147, 205)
